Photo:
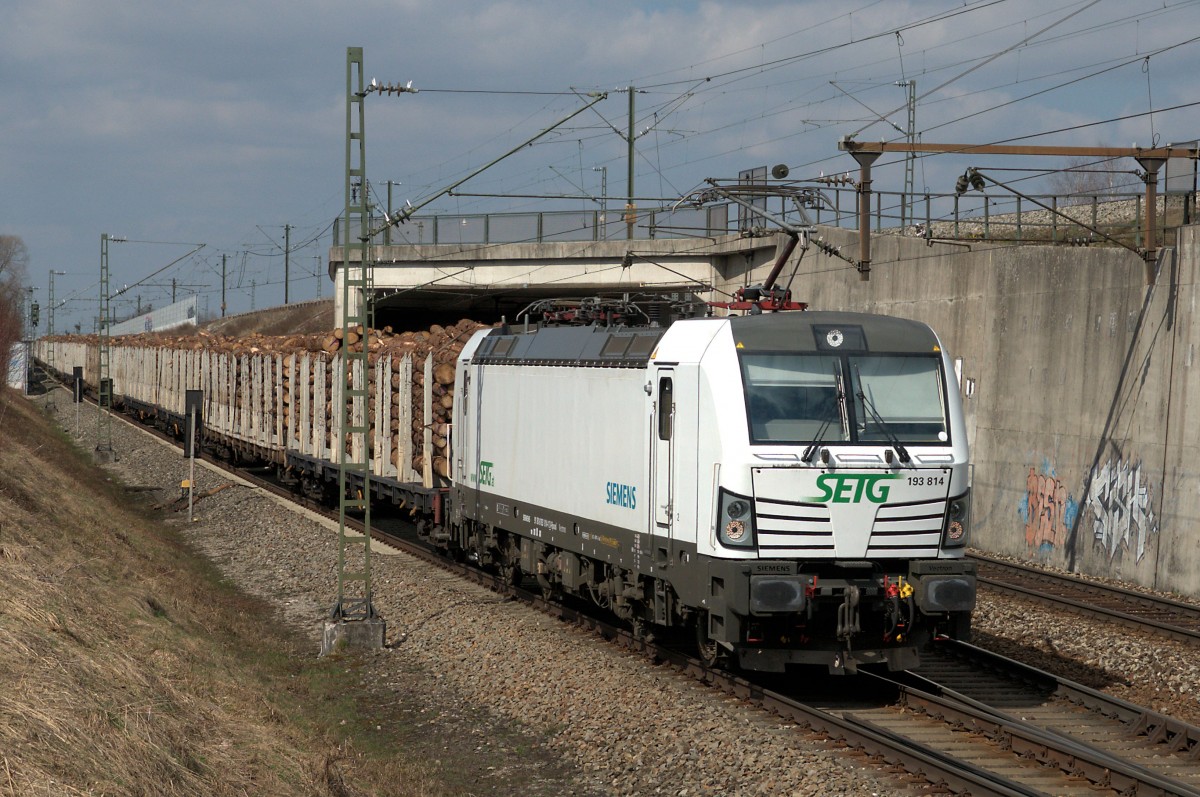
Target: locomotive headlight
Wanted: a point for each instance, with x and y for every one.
(735, 530)
(958, 517)
(735, 521)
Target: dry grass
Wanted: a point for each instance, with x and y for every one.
(129, 668)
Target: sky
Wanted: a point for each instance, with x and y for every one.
(173, 124)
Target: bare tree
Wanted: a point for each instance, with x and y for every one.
(1083, 178)
(14, 258)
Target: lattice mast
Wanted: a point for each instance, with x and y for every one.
(49, 352)
(352, 382)
(103, 378)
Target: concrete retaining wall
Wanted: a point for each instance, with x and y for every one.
(1078, 379)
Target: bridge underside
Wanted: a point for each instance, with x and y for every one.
(416, 286)
(418, 309)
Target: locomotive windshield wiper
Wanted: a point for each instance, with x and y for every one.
(840, 382)
(901, 451)
(840, 390)
(812, 447)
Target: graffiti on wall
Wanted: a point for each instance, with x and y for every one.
(1120, 500)
(1048, 511)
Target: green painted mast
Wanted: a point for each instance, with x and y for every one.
(352, 377)
(104, 396)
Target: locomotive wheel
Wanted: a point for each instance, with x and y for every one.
(642, 631)
(708, 649)
(509, 563)
(510, 572)
(551, 590)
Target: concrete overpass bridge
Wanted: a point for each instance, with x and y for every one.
(434, 282)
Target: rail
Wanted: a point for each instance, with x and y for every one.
(1061, 724)
(1068, 592)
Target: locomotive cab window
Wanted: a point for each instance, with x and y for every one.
(828, 398)
(666, 407)
(793, 398)
(900, 397)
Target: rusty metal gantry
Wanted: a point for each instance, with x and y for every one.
(1150, 159)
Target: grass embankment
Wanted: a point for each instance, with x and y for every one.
(128, 667)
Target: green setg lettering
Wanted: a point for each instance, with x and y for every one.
(851, 488)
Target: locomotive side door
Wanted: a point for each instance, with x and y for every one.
(663, 447)
(468, 417)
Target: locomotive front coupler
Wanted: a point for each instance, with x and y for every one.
(848, 618)
(824, 588)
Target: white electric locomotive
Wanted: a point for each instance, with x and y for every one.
(791, 487)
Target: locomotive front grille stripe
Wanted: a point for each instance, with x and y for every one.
(912, 550)
(899, 505)
(812, 519)
(783, 502)
(919, 533)
(907, 526)
(930, 509)
(882, 518)
(785, 526)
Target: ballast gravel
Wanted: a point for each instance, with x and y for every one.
(1137, 666)
(551, 710)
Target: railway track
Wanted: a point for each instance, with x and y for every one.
(1127, 607)
(1084, 739)
(907, 750)
(939, 741)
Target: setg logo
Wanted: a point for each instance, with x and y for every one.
(851, 488)
(485, 474)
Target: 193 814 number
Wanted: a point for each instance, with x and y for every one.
(927, 481)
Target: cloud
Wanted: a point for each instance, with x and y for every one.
(207, 121)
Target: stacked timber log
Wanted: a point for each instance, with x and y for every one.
(410, 360)
(440, 346)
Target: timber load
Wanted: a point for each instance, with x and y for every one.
(276, 392)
